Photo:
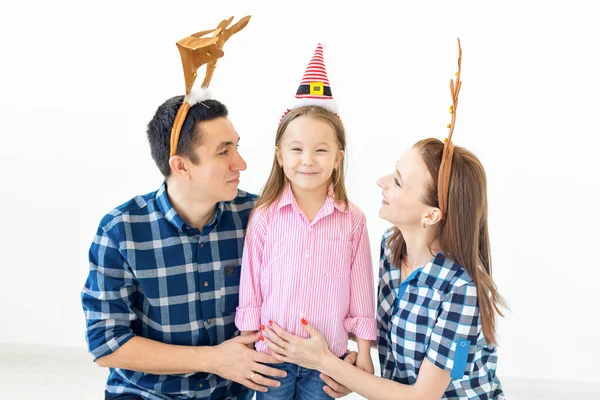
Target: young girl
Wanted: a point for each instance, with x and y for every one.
(307, 249)
(437, 301)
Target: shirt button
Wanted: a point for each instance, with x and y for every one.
(208, 321)
(310, 228)
(200, 385)
(202, 245)
(306, 255)
(205, 284)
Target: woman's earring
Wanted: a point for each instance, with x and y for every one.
(423, 224)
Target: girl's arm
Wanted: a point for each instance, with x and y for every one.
(364, 361)
(247, 316)
(360, 321)
(361, 314)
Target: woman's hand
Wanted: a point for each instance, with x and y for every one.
(308, 353)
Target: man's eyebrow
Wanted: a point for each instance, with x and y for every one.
(225, 144)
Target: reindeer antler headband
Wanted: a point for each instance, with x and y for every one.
(446, 166)
(196, 51)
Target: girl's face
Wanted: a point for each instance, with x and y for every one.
(403, 192)
(308, 152)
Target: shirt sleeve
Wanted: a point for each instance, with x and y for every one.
(247, 316)
(454, 337)
(361, 316)
(107, 297)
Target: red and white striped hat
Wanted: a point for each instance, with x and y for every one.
(314, 89)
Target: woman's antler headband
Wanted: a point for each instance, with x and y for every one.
(446, 166)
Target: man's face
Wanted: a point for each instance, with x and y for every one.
(217, 175)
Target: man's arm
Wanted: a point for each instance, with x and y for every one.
(107, 299)
(153, 357)
(231, 360)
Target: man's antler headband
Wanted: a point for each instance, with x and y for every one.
(446, 166)
(196, 51)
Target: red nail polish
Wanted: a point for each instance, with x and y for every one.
(304, 322)
(262, 327)
(261, 338)
(270, 323)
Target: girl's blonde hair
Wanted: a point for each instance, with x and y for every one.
(277, 179)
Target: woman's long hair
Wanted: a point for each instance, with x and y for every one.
(463, 232)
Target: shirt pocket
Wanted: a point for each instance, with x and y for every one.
(338, 258)
(230, 275)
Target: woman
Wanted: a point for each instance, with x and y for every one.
(437, 302)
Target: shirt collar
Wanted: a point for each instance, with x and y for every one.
(441, 271)
(171, 215)
(287, 198)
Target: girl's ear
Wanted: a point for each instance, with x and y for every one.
(279, 157)
(339, 158)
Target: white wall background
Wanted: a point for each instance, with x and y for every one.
(79, 81)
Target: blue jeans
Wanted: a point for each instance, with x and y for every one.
(299, 384)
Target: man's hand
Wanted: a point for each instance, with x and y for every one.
(234, 361)
(333, 388)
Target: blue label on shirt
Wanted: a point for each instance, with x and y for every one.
(460, 358)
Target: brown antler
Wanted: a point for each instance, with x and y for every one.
(446, 165)
(195, 52)
(223, 34)
(455, 85)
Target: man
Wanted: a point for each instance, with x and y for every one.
(162, 291)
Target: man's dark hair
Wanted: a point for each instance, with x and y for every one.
(159, 130)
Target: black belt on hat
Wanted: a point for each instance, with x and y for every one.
(305, 89)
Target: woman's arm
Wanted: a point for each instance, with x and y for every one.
(313, 353)
(431, 383)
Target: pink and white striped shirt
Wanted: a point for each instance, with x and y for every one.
(322, 269)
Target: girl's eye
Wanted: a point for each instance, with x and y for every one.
(322, 151)
(397, 183)
(296, 149)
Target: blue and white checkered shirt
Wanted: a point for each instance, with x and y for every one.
(154, 276)
(436, 317)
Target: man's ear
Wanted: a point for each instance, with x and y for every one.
(180, 166)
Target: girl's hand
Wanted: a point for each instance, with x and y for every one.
(333, 388)
(365, 362)
(246, 333)
(308, 353)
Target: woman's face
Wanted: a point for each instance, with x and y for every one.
(403, 191)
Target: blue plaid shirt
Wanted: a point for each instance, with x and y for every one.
(154, 276)
(437, 318)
